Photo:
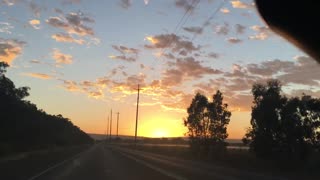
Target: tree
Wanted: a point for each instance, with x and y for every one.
(219, 117)
(207, 122)
(23, 127)
(264, 117)
(283, 126)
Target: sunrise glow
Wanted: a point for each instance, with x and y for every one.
(82, 61)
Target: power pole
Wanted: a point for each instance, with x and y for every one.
(107, 131)
(118, 124)
(110, 124)
(136, 130)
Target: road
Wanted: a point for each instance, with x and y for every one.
(105, 162)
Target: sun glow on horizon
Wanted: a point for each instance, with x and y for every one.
(160, 133)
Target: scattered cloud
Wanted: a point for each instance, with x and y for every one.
(5, 27)
(213, 55)
(225, 10)
(263, 32)
(234, 40)
(127, 54)
(240, 4)
(39, 75)
(123, 57)
(10, 2)
(61, 58)
(65, 2)
(269, 68)
(35, 61)
(186, 69)
(34, 23)
(10, 49)
(305, 71)
(171, 41)
(240, 29)
(222, 29)
(195, 30)
(126, 4)
(73, 23)
(186, 5)
(146, 2)
(63, 37)
(125, 50)
(35, 9)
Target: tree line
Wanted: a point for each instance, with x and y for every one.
(24, 127)
(281, 126)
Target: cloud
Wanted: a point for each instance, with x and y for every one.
(222, 29)
(61, 58)
(5, 27)
(186, 5)
(263, 32)
(35, 61)
(240, 28)
(195, 30)
(70, 85)
(213, 55)
(35, 9)
(126, 4)
(73, 23)
(39, 75)
(123, 57)
(126, 50)
(240, 4)
(304, 72)
(10, 2)
(173, 42)
(95, 94)
(269, 68)
(126, 53)
(34, 23)
(62, 37)
(225, 10)
(234, 40)
(65, 2)
(186, 69)
(10, 49)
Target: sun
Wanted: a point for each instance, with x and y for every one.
(160, 133)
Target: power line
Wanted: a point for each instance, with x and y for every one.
(182, 21)
(210, 17)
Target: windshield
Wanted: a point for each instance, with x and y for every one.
(164, 89)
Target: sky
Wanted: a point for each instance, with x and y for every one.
(83, 58)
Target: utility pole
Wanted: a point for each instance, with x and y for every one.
(136, 130)
(118, 124)
(110, 124)
(107, 131)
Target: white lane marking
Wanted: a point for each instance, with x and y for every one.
(162, 171)
(56, 165)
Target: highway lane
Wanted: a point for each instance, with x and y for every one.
(193, 170)
(102, 163)
(110, 162)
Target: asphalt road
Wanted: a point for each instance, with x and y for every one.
(101, 163)
(105, 162)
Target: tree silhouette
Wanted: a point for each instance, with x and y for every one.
(281, 125)
(24, 127)
(207, 122)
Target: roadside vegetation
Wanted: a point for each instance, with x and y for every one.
(24, 127)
